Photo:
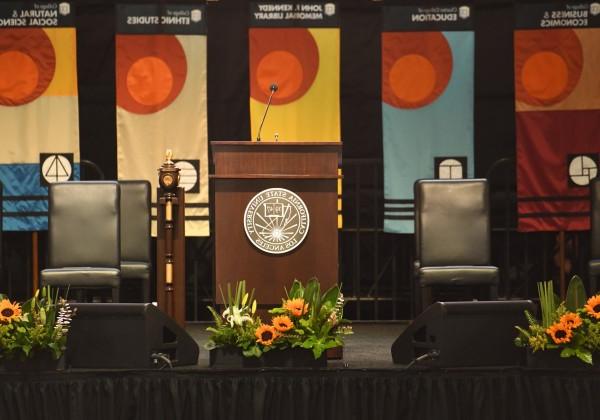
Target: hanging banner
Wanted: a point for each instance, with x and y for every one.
(427, 103)
(296, 47)
(38, 108)
(557, 95)
(161, 101)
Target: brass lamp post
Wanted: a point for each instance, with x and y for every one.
(170, 241)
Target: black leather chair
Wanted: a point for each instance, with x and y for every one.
(594, 263)
(452, 233)
(136, 239)
(83, 236)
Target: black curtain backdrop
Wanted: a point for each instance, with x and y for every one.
(302, 395)
(228, 91)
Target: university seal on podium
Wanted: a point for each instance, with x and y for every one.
(276, 220)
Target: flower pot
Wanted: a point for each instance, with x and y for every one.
(550, 359)
(41, 361)
(231, 358)
(294, 358)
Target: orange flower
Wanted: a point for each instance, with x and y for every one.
(9, 311)
(282, 323)
(265, 334)
(297, 307)
(571, 319)
(593, 306)
(560, 333)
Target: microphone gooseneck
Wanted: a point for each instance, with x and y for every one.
(273, 88)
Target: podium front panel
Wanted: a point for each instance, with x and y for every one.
(238, 259)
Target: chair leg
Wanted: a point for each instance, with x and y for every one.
(145, 291)
(80, 295)
(416, 304)
(115, 294)
(426, 297)
(493, 292)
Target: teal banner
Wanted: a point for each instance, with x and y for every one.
(427, 108)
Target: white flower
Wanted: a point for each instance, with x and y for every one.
(234, 316)
(333, 319)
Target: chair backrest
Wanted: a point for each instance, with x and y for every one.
(595, 218)
(83, 224)
(135, 221)
(452, 222)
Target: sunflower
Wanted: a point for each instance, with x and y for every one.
(297, 307)
(560, 333)
(9, 311)
(571, 319)
(265, 334)
(593, 306)
(282, 323)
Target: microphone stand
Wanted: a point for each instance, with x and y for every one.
(273, 90)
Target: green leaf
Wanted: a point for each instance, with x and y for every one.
(567, 352)
(330, 296)
(547, 302)
(216, 316)
(222, 295)
(311, 295)
(239, 293)
(318, 350)
(523, 331)
(277, 311)
(585, 356)
(325, 329)
(576, 296)
(296, 290)
(253, 351)
(530, 318)
(229, 298)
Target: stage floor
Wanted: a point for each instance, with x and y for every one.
(368, 348)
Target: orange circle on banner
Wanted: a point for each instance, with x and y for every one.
(412, 78)
(151, 72)
(286, 57)
(283, 67)
(27, 65)
(548, 65)
(416, 68)
(19, 75)
(149, 81)
(545, 75)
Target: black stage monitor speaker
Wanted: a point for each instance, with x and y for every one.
(462, 334)
(126, 335)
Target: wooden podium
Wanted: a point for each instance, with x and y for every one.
(242, 169)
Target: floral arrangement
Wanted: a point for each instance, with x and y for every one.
(305, 319)
(571, 327)
(236, 325)
(39, 325)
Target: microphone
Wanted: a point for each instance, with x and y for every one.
(273, 88)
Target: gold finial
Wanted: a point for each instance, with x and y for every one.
(168, 157)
